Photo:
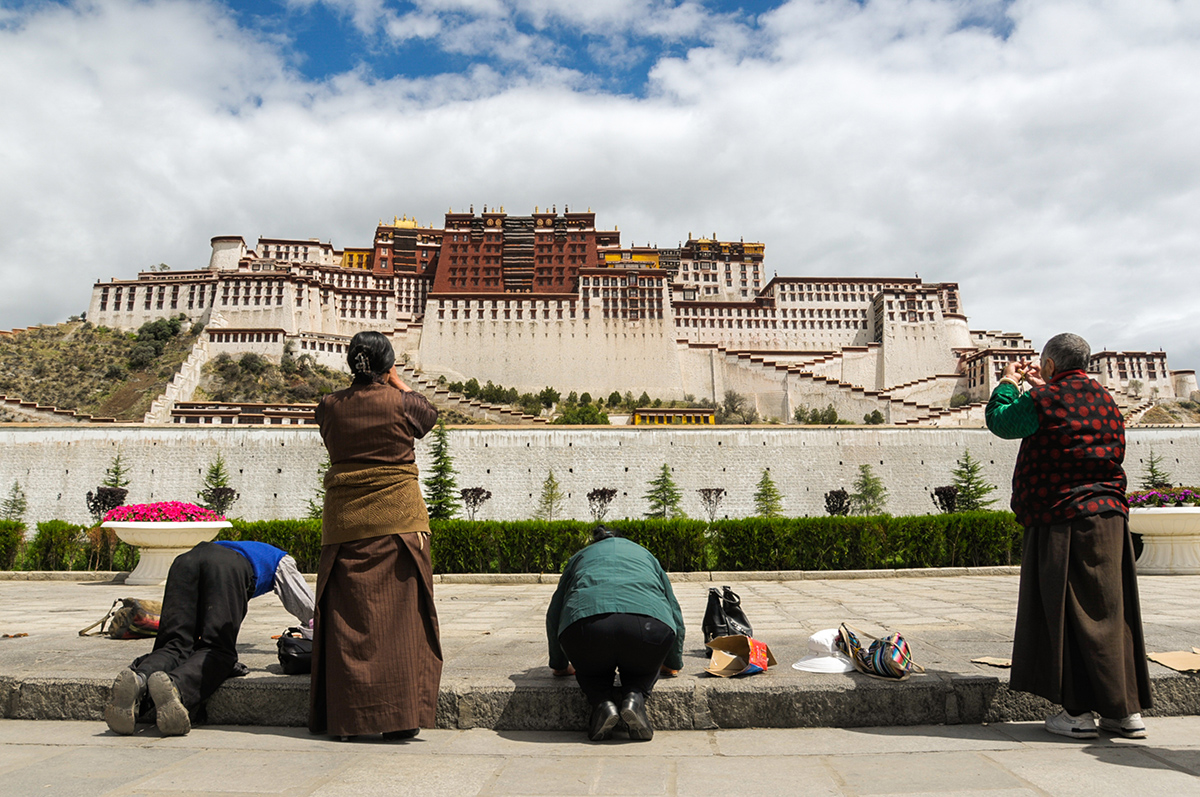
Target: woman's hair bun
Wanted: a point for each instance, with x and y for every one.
(370, 356)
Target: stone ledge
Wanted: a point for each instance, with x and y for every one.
(689, 703)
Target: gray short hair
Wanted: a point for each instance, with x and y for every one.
(1069, 352)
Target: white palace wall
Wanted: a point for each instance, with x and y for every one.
(275, 468)
(585, 355)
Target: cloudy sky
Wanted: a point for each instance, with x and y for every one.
(1044, 154)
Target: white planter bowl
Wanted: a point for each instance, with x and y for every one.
(1170, 540)
(160, 542)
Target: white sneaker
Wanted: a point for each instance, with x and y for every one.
(1064, 724)
(1131, 727)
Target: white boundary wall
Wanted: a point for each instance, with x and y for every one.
(275, 468)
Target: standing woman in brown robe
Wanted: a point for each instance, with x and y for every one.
(1078, 639)
(377, 657)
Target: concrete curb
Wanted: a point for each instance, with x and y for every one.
(702, 576)
(689, 703)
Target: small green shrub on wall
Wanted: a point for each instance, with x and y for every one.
(12, 535)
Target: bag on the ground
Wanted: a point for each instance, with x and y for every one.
(129, 618)
(295, 652)
(723, 616)
(889, 657)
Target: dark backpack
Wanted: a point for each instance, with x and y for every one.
(295, 652)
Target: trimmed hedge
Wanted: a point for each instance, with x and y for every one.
(533, 546)
(300, 538)
(12, 535)
(968, 539)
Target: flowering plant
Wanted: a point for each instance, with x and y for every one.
(1182, 496)
(164, 511)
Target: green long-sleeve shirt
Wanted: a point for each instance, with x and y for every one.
(608, 576)
(1010, 413)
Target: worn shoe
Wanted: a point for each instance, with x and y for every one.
(603, 720)
(127, 692)
(396, 736)
(173, 719)
(1131, 727)
(633, 712)
(1064, 724)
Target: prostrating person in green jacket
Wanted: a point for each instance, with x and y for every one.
(614, 610)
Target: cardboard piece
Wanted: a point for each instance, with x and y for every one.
(1178, 660)
(738, 655)
(992, 661)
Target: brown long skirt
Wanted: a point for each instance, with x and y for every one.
(1078, 640)
(377, 657)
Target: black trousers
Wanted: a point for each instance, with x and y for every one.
(599, 646)
(204, 603)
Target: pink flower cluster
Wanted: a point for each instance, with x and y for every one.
(164, 511)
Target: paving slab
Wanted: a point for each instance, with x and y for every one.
(74, 758)
(496, 675)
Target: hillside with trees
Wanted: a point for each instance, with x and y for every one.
(94, 370)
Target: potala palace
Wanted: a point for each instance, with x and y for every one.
(549, 299)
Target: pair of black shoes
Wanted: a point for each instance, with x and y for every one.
(632, 711)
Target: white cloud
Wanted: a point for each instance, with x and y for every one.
(1054, 173)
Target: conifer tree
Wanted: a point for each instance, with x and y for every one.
(217, 495)
(117, 474)
(316, 504)
(14, 505)
(664, 497)
(972, 489)
(550, 503)
(869, 496)
(441, 493)
(768, 502)
(1156, 477)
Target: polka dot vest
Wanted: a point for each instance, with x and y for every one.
(1071, 466)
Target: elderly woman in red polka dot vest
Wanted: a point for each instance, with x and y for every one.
(1078, 639)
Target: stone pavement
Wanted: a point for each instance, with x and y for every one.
(496, 675)
(82, 759)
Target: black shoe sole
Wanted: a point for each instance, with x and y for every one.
(638, 725)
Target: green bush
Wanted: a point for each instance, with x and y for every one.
(12, 535)
(300, 538)
(491, 546)
(57, 545)
(969, 539)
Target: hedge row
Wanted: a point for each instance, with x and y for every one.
(968, 539)
(971, 539)
(58, 545)
(459, 546)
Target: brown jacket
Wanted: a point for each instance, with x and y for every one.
(374, 423)
(371, 488)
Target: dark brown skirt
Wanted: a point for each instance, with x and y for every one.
(1078, 640)
(377, 657)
